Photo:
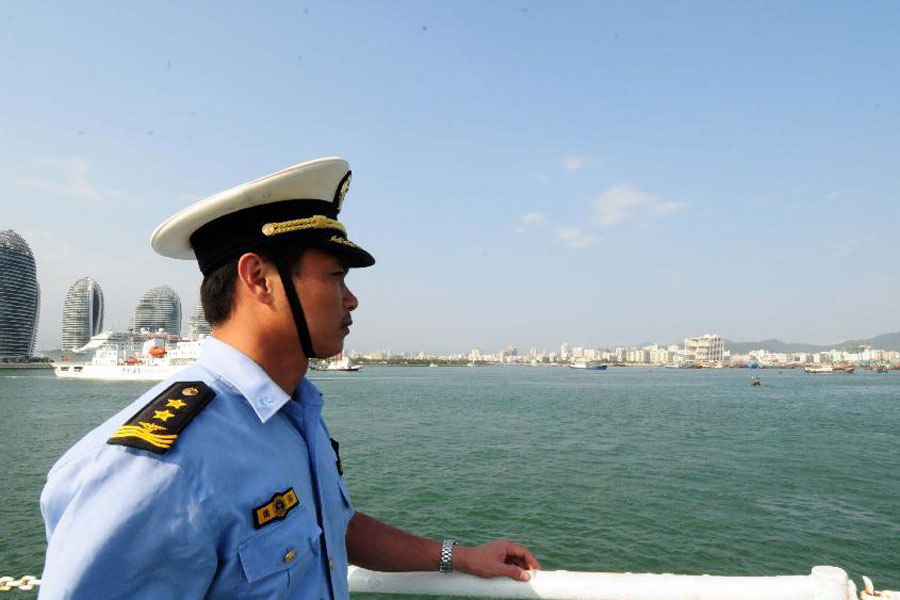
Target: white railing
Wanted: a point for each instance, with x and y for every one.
(823, 583)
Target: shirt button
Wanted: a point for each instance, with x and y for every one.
(331, 564)
(291, 555)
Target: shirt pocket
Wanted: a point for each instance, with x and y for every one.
(277, 554)
(341, 508)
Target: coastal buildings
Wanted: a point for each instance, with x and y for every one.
(653, 355)
(20, 297)
(197, 323)
(82, 313)
(158, 309)
(704, 350)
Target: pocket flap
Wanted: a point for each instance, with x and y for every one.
(279, 546)
(344, 492)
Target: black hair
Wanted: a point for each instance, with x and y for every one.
(217, 288)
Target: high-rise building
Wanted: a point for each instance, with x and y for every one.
(82, 313)
(705, 349)
(197, 323)
(20, 297)
(159, 308)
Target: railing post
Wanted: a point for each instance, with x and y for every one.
(832, 583)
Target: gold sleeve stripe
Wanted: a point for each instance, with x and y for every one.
(160, 441)
(314, 222)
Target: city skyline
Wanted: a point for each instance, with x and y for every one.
(570, 171)
(161, 308)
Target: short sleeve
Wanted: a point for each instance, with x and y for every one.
(124, 525)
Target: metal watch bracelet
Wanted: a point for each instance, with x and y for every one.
(446, 564)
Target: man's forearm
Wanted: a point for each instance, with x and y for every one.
(378, 546)
(375, 545)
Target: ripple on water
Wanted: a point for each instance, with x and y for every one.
(624, 470)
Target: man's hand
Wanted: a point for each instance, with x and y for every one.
(495, 559)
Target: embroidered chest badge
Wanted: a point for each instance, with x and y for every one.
(275, 509)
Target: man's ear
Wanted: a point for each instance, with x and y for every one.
(255, 277)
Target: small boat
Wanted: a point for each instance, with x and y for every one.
(755, 382)
(828, 369)
(590, 366)
(881, 369)
(341, 363)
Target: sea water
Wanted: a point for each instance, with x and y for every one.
(631, 469)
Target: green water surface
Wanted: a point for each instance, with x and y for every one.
(678, 471)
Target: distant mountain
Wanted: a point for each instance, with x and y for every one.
(886, 341)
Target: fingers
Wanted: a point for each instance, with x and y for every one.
(524, 557)
(514, 572)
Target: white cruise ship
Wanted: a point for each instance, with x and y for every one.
(135, 357)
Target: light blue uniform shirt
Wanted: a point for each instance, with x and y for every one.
(127, 523)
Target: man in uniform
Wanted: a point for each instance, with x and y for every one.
(223, 482)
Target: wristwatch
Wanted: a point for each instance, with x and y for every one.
(446, 564)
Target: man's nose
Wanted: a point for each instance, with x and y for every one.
(350, 301)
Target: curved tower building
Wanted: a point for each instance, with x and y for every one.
(197, 323)
(20, 297)
(159, 308)
(82, 313)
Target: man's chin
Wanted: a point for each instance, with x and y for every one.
(332, 352)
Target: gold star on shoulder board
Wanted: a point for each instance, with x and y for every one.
(153, 428)
(163, 415)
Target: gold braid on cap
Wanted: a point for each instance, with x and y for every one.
(314, 222)
(343, 241)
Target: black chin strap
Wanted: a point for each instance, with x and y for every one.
(287, 281)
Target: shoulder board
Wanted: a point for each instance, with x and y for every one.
(156, 426)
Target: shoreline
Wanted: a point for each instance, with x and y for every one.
(26, 366)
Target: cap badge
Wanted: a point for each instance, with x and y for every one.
(342, 191)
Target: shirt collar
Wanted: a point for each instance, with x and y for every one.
(243, 374)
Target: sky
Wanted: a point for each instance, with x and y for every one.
(528, 173)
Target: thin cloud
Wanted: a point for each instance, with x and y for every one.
(624, 202)
(572, 237)
(71, 178)
(574, 163)
(529, 221)
(664, 209)
(850, 247)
